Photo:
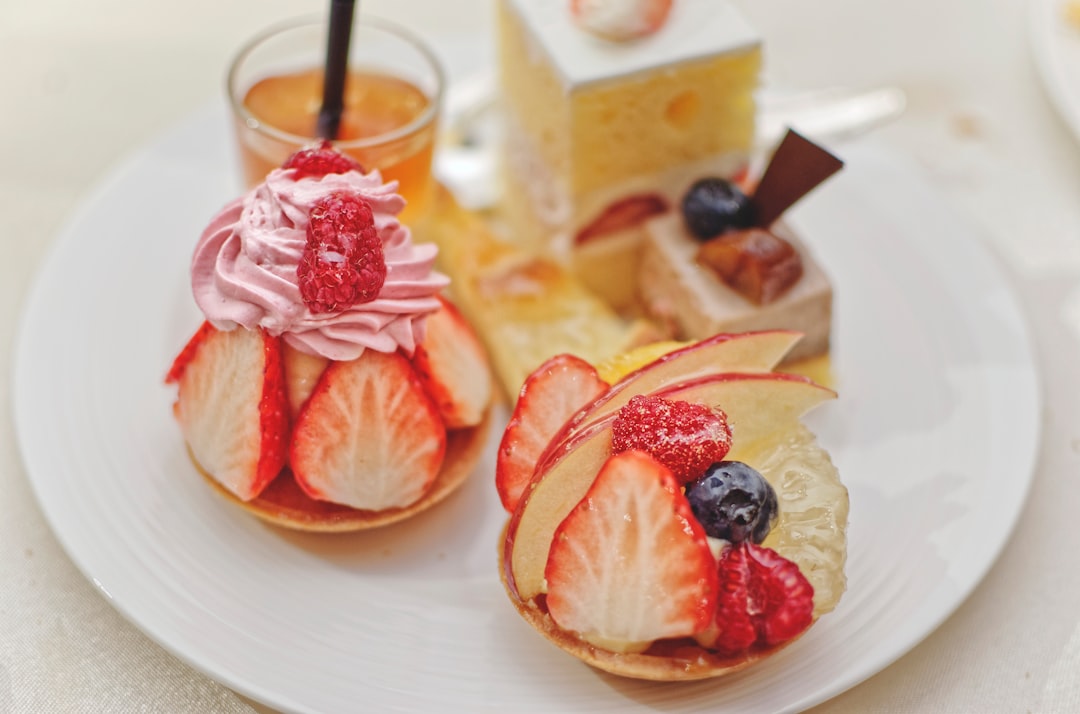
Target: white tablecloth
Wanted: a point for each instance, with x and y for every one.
(84, 84)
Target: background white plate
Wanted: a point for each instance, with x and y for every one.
(935, 434)
(1055, 45)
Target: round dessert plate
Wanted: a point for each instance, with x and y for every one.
(934, 432)
(1054, 37)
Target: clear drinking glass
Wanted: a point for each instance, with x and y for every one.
(392, 97)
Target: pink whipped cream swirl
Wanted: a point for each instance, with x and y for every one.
(244, 269)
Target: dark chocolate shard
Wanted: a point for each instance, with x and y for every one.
(796, 168)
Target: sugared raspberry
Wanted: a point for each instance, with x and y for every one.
(321, 160)
(685, 437)
(342, 264)
(764, 599)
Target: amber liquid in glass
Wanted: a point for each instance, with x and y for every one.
(375, 104)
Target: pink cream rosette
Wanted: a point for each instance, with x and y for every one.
(244, 269)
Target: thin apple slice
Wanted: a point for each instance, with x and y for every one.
(757, 406)
(743, 352)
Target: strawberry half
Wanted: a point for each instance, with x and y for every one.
(764, 599)
(620, 20)
(231, 406)
(629, 564)
(302, 372)
(551, 394)
(368, 437)
(453, 367)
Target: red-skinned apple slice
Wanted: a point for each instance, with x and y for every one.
(756, 406)
(744, 352)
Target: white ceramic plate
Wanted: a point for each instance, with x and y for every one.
(1055, 45)
(935, 434)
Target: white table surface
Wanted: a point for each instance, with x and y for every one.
(83, 85)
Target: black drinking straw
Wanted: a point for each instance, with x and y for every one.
(337, 60)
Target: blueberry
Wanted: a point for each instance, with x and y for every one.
(734, 502)
(715, 205)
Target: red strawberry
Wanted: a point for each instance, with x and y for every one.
(549, 397)
(685, 437)
(342, 264)
(764, 599)
(232, 407)
(368, 436)
(302, 372)
(629, 564)
(320, 160)
(453, 367)
(624, 213)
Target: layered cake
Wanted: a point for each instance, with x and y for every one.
(331, 387)
(604, 132)
(727, 262)
(673, 520)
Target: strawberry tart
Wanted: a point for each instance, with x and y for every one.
(671, 518)
(331, 386)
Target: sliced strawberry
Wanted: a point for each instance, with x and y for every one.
(232, 407)
(549, 397)
(620, 19)
(764, 599)
(453, 367)
(685, 437)
(188, 353)
(302, 372)
(629, 564)
(368, 437)
(622, 214)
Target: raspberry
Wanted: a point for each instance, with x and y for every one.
(342, 264)
(320, 160)
(764, 599)
(687, 438)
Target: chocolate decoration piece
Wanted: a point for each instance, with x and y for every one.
(797, 167)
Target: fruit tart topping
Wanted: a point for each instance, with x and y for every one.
(758, 264)
(369, 436)
(620, 20)
(734, 502)
(238, 434)
(714, 206)
(684, 437)
(551, 394)
(764, 600)
(342, 263)
(320, 160)
(629, 564)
